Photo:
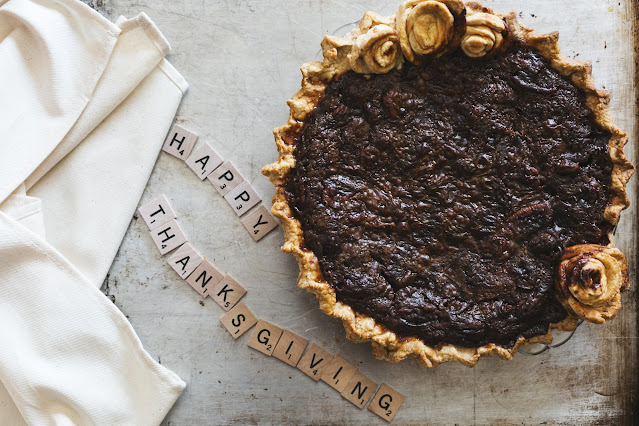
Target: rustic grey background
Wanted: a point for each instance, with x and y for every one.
(241, 59)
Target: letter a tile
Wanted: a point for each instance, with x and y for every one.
(203, 161)
(185, 260)
(338, 373)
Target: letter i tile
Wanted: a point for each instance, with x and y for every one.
(290, 348)
(338, 373)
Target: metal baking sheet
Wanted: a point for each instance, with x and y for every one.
(241, 59)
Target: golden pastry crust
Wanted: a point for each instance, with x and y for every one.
(380, 44)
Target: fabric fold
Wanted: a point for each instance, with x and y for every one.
(70, 356)
(87, 106)
(141, 43)
(89, 197)
(54, 53)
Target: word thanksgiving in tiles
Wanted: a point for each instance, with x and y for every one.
(266, 338)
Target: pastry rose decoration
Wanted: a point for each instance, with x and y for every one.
(589, 280)
(427, 28)
(376, 49)
(484, 34)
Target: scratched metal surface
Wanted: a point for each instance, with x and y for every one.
(241, 59)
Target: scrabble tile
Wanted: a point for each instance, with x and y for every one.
(386, 402)
(157, 212)
(179, 142)
(205, 278)
(265, 336)
(168, 236)
(185, 260)
(338, 373)
(259, 222)
(359, 390)
(238, 320)
(314, 361)
(290, 348)
(225, 178)
(227, 293)
(203, 161)
(242, 198)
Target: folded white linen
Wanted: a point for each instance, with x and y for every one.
(139, 43)
(89, 197)
(86, 105)
(68, 355)
(52, 55)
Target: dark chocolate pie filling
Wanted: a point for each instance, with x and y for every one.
(438, 199)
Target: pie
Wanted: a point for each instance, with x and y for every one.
(450, 184)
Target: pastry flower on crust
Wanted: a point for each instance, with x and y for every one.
(484, 34)
(426, 28)
(589, 280)
(377, 49)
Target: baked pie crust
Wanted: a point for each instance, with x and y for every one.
(589, 277)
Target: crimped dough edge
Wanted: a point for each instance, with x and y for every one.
(361, 328)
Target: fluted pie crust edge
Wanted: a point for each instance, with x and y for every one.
(380, 44)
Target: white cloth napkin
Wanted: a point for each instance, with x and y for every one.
(84, 107)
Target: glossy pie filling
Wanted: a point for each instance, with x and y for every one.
(439, 198)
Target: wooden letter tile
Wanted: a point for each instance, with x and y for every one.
(338, 373)
(386, 402)
(157, 212)
(242, 198)
(227, 293)
(179, 142)
(225, 178)
(203, 161)
(238, 320)
(205, 278)
(259, 222)
(185, 260)
(290, 348)
(265, 337)
(359, 390)
(168, 236)
(314, 361)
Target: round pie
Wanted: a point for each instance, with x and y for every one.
(450, 185)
